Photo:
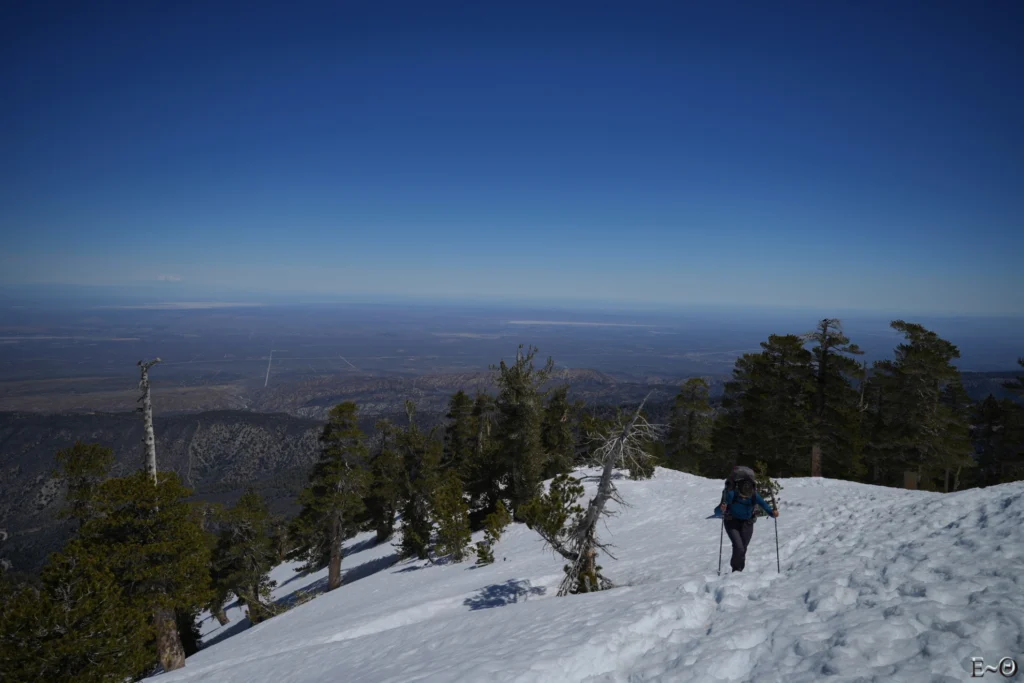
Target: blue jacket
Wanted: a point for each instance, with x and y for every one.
(744, 509)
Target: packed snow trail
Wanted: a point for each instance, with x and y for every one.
(877, 584)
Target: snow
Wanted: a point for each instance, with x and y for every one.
(877, 584)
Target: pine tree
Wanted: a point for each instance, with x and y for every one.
(557, 439)
(77, 626)
(310, 537)
(458, 434)
(421, 457)
(998, 439)
(82, 468)
(494, 527)
(957, 454)
(209, 516)
(479, 472)
(333, 500)
(726, 435)
(245, 554)
(387, 473)
(519, 453)
(690, 428)
(555, 515)
(835, 418)
(280, 537)
(768, 405)
(912, 429)
(149, 538)
(450, 515)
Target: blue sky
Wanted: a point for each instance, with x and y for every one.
(844, 154)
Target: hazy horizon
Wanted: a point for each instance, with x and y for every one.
(160, 296)
(662, 155)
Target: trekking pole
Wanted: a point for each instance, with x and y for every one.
(778, 562)
(721, 537)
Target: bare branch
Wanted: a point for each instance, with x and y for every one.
(622, 449)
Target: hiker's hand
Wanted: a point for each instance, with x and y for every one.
(775, 513)
(722, 507)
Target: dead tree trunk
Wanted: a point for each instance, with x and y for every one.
(170, 651)
(149, 438)
(625, 448)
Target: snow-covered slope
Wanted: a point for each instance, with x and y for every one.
(877, 584)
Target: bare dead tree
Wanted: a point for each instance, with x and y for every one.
(169, 648)
(149, 438)
(579, 543)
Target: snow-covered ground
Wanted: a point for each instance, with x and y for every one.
(877, 584)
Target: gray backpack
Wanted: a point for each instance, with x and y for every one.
(744, 482)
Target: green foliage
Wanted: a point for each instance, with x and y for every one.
(766, 486)
(591, 431)
(554, 513)
(82, 467)
(912, 429)
(768, 407)
(245, 554)
(150, 539)
(690, 424)
(78, 626)
(280, 537)
(387, 475)
(459, 434)
(556, 436)
(310, 542)
(332, 502)
(998, 438)
(450, 514)
(519, 452)
(494, 527)
(836, 420)
(421, 459)
(480, 472)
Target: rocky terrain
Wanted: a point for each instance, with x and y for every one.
(216, 453)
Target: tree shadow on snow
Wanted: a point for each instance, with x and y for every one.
(369, 567)
(361, 546)
(501, 594)
(360, 571)
(225, 632)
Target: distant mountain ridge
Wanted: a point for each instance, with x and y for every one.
(270, 446)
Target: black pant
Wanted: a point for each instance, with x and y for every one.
(739, 531)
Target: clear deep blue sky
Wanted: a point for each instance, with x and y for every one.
(848, 154)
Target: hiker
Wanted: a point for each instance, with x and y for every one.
(738, 502)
